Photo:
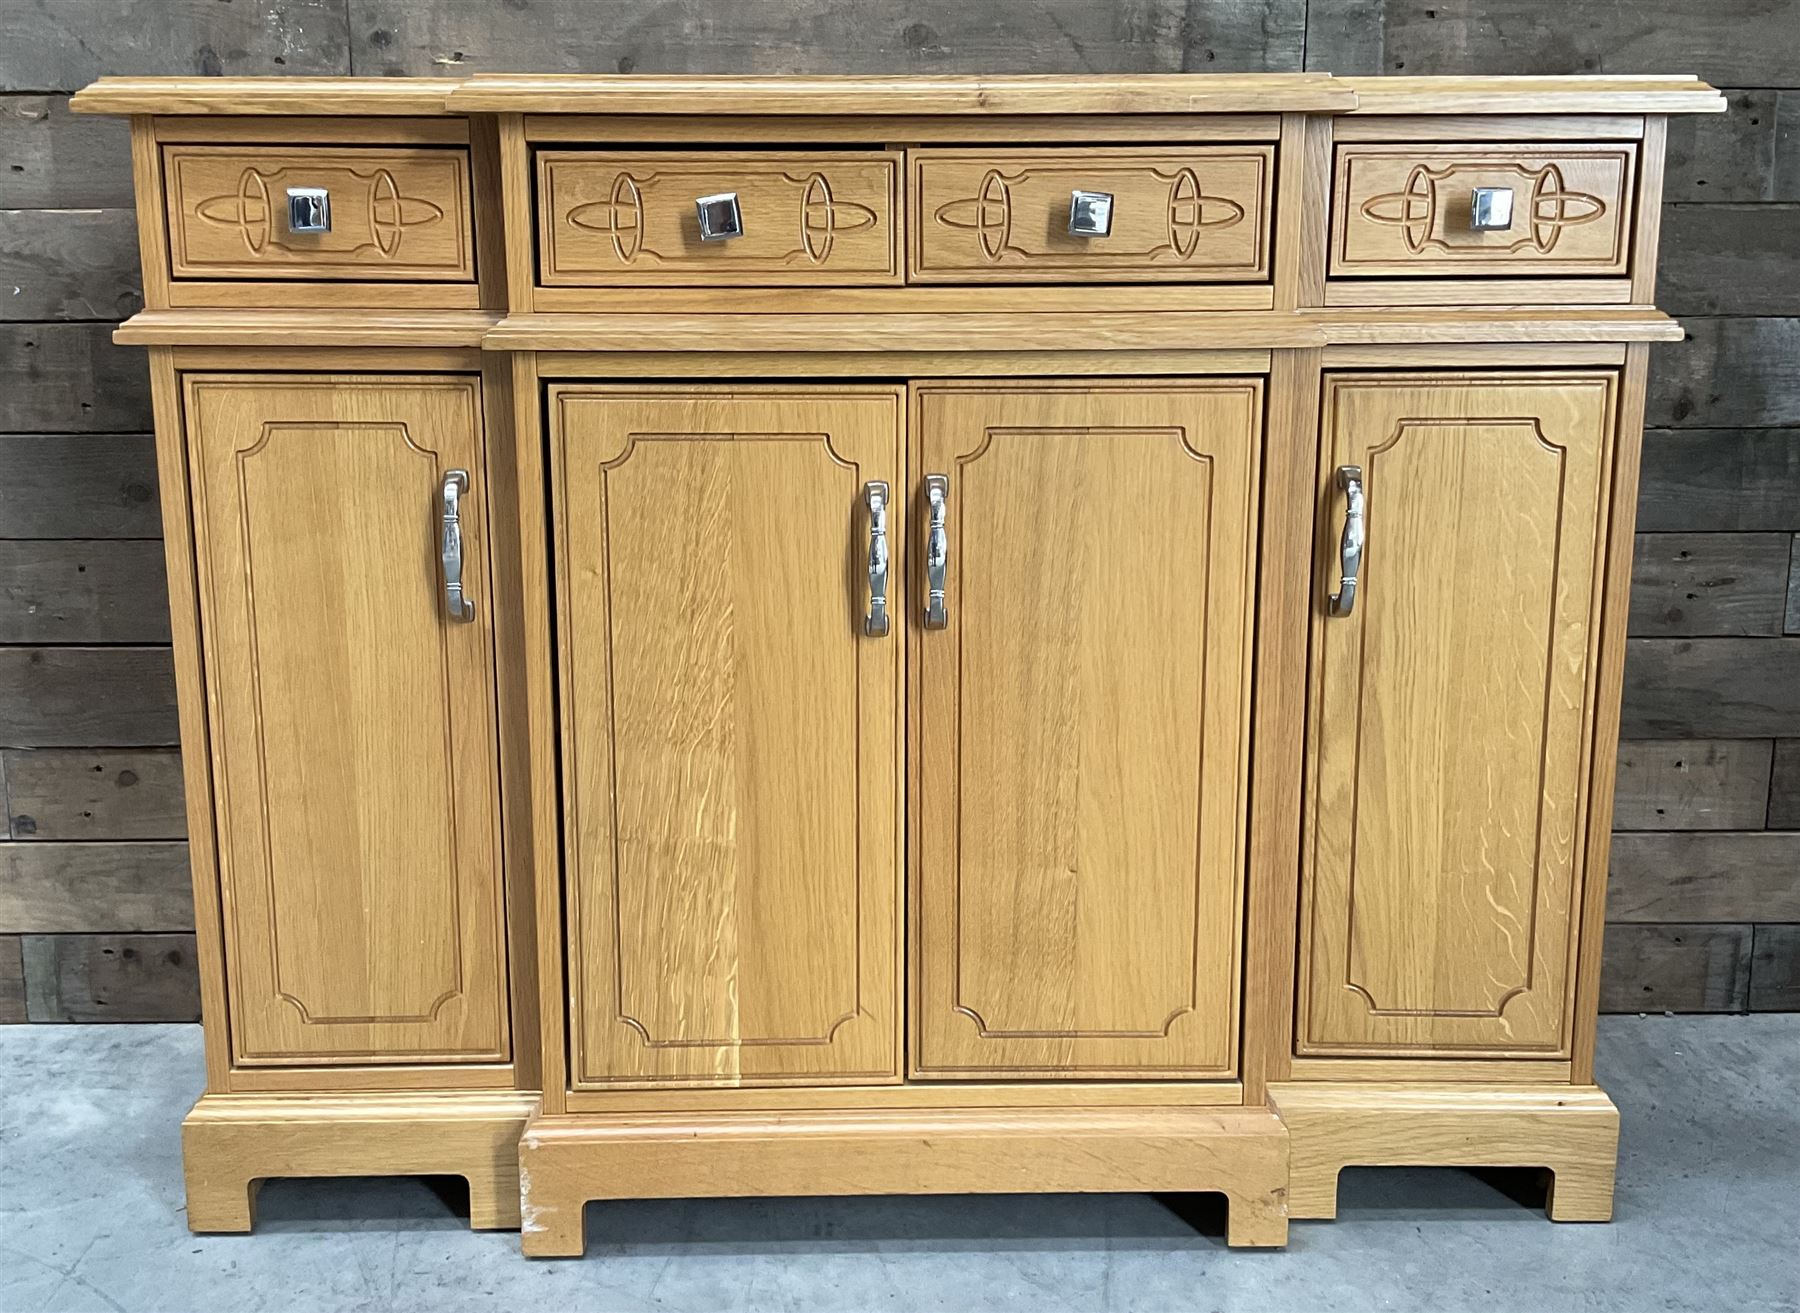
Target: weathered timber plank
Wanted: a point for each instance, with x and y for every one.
(1707, 784)
(1712, 688)
(438, 37)
(52, 159)
(12, 980)
(1727, 373)
(86, 591)
(69, 264)
(73, 888)
(75, 697)
(1775, 969)
(1730, 260)
(1791, 620)
(1720, 479)
(1724, 157)
(78, 486)
(1676, 968)
(1784, 787)
(93, 793)
(111, 978)
(68, 43)
(1696, 876)
(1725, 44)
(1787, 146)
(70, 378)
(1696, 584)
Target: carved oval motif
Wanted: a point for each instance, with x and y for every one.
(1553, 208)
(246, 210)
(1191, 210)
(620, 217)
(392, 215)
(987, 214)
(823, 217)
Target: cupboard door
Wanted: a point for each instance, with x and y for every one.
(1451, 713)
(1079, 729)
(731, 734)
(352, 720)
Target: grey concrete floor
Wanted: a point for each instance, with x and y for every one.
(1708, 1216)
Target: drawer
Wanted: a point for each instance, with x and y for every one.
(1401, 209)
(397, 214)
(628, 218)
(1199, 214)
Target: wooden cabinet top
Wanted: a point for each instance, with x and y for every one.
(1144, 93)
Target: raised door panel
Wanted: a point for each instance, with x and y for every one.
(1079, 730)
(1451, 714)
(731, 735)
(352, 721)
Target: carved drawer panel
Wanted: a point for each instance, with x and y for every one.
(1411, 209)
(399, 214)
(624, 218)
(1200, 214)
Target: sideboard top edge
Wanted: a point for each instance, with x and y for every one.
(1146, 93)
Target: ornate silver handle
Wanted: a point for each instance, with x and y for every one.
(1350, 547)
(875, 497)
(309, 210)
(458, 607)
(937, 551)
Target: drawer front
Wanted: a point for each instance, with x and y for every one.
(398, 214)
(1194, 215)
(626, 218)
(1408, 209)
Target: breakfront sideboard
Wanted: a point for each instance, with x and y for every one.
(833, 636)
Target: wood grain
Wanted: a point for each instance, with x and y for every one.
(731, 736)
(1445, 813)
(94, 793)
(1704, 877)
(72, 42)
(70, 378)
(1002, 215)
(1728, 373)
(1681, 688)
(1730, 260)
(68, 888)
(1784, 787)
(1716, 480)
(1079, 807)
(1775, 969)
(352, 724)
(1695, 784)
(1676, 968)
(12, 980)
(78, 978)
(68, 264)
(53, 697)
(55, 160)
(83, 591)
(883, 36)
(78, 486)
(1725, 157)
(1709, 584)
(1526, 37)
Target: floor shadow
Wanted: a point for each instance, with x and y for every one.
(400, 1203)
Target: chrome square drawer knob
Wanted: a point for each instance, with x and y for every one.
(1490, 209)
(720, 217)
(309, 210)
(1090, 213)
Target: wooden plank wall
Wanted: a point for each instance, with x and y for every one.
(94, 914)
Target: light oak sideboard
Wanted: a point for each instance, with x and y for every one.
(847, 636)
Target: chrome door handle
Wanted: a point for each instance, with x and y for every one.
(875, 497)
(1090, 213)
(1490, 209)
(309, 210)
(1350, 547)
(937, 551)
(458, 607)
(721, 218)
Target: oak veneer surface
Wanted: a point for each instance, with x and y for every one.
(1079, 794)
(353, 723)
(731, 735)
(1450, 710)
